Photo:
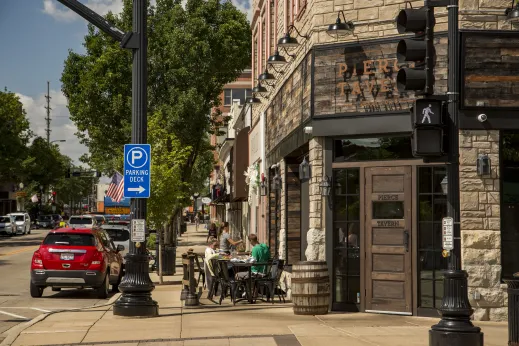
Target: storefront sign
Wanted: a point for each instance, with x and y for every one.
(117, 210)
(358, 78)
(381, 197)
(388, 223)
(490, 61)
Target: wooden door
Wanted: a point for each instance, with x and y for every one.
(388, 239)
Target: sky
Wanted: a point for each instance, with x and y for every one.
(36, 36)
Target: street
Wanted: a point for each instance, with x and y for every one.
(16, 304)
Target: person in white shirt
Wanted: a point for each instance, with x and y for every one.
(210, 252)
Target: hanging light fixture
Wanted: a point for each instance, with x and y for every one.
(340, 28)
(252, 100)
(325, 186)
(263, 186)
(304, 170)
(288, 41)
(258, 89)
(512, 13)
(266, 76)
(276, 59)
(445, 185)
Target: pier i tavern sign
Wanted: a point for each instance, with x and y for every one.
(358, 78)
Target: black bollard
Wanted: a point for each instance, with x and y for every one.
(192, 295)
(185, 277)
(513, 310)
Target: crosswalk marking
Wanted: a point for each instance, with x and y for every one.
(14, 315)
(42, 310)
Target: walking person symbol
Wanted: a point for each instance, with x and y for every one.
(427, 114)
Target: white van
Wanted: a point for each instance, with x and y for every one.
(82, 221)
(22, 222)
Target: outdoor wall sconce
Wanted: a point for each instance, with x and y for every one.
(483, 164)
(253, 100)
(445, 185)
(276, 181)
(340, 28)
(304, 170)
(276, 59)
(266, 77)
(512, 13)
(263, 186)
(325, 186)
(288, 41)
(260, 89)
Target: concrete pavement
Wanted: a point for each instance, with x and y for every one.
(242, 324)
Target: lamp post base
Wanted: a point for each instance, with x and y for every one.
(455, 327)
(136, 287)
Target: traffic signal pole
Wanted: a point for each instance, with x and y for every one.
(455, 327)
(136, 284)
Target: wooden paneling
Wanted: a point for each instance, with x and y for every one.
(293, 213)
(241, 162)
(388, 275)
(274, 218)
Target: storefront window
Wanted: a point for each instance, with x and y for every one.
(432, 207)
(509, 203)
(370, 149)
(346, 242)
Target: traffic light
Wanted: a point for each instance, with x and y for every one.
(429, 123)
(53, 197)
(418, 49)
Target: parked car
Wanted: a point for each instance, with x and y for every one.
(45, 221)
(76, 258)
(57, 218)
(22, 222)
(119, 232)
(7, 225)
(82, 221)
(100, 219)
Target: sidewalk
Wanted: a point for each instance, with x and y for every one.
(262, 324)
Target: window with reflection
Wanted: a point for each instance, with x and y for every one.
(368, 149)
(346, 236)
(432, 207)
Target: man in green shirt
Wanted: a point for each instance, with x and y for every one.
(260, 252)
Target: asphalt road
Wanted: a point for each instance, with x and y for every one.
(16, 304)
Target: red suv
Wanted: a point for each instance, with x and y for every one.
(79, 258)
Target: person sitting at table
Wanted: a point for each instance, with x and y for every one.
(261, 254)
(210, 253)
(226, 241)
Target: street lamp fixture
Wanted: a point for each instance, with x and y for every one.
(288, 41)
(445, 185)
(340, 28)
(263, 188)
(512, 13)
(253, 100)
(304, 170)
(276, 59)
(325, 186)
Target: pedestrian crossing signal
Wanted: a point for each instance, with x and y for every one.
(428, 128)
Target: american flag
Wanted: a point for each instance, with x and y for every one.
(116, 188)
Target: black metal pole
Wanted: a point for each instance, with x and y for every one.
(455, 327)
(136, 285)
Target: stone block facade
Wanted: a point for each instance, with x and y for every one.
(315, 250)
(480, 225)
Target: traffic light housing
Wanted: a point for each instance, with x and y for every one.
(418, 49)
(53, 197)
(429, 128)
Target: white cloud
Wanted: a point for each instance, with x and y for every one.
(62, 13)
(61, 126)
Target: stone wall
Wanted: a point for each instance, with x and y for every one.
(315, 251)
(480, 225)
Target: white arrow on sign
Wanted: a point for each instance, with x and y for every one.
(139, 189)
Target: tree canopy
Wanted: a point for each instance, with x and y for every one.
(194, 50)
(15, 134)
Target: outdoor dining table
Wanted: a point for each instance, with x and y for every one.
(248, 266)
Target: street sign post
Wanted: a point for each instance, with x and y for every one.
(137, 166)
(448, 233)
(138, 230)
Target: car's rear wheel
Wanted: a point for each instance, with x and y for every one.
(36, 291)
(56, 289)
(102, 291)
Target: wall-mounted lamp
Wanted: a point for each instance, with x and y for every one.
(276, 59)
(445, 185)
(512, 13)
(263, 186)
(288, 41)
(340, 28)
(253, 100)
(260, 89)
(325, 186)
(304, 170)
(266, 77)
(483, 164)
(276, 181)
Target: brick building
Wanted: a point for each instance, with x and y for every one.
(335, 104)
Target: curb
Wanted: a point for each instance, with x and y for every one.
(14, 332)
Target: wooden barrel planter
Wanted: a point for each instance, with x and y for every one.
(310, 288)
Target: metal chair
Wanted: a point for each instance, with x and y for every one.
(215, 279)
(200, 269)
(271, 281)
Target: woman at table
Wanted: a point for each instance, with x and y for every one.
(226, 241)
(210, 253)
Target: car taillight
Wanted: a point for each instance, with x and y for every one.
(37, 261)
(97, 261)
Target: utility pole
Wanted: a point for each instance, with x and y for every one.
(136, 285)
(48, 112)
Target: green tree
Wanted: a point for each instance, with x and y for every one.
(15, 134)
(194, 50)
(44, 165)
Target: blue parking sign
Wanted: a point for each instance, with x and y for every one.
(137, 170)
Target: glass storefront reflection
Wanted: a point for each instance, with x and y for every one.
(368, 149)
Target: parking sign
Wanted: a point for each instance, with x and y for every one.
(137, 164)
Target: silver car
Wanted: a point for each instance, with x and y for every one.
(120, 235)
(22, 222)
(7, 225)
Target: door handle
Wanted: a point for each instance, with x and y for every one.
(406, 241)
